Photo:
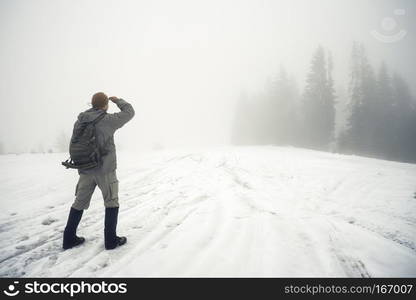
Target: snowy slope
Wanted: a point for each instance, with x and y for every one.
(252, 211)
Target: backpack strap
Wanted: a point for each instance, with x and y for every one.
(97, 119)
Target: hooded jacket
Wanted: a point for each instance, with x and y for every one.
(105, 129)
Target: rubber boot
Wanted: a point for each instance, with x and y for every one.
(110, 229)
(70, 238)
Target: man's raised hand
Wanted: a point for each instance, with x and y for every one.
(113, 99)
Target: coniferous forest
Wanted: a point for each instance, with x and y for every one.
(379, 114)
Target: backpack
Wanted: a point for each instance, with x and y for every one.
(84, 150)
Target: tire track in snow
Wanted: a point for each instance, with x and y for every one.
(352, 266)
(381, 232)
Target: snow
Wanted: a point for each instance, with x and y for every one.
(225, 211)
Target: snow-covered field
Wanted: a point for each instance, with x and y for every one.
(250, 211)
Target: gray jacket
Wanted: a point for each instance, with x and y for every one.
(105, 129)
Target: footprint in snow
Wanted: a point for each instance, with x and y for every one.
(351, 220)
(49, 221)
(24, 238)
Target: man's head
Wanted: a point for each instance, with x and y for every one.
(100, 101)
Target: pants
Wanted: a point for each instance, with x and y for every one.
(108, 184)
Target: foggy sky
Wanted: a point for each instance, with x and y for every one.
(182, 64)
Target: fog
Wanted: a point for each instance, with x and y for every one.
(182, 64)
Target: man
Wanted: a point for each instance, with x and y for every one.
(104, 175)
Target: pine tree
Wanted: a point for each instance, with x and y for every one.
(281, 106)
(318, 103)
(330, 108)
(404, 113)
(358, 136)
(383, 117)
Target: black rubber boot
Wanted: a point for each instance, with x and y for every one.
(70, 238)
(110, 229)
